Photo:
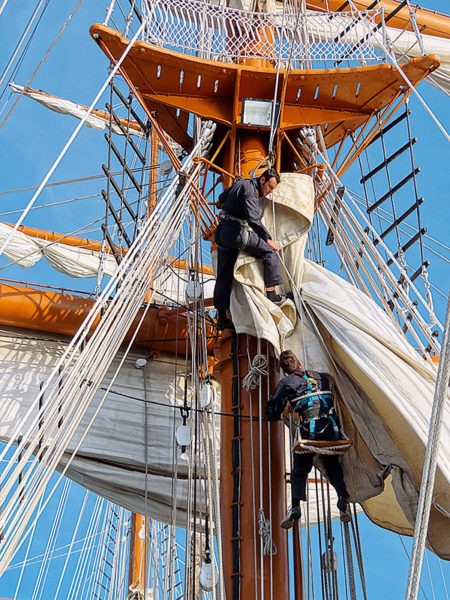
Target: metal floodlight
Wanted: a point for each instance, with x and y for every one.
(258, 112)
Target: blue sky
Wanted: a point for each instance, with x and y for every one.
(31, 138)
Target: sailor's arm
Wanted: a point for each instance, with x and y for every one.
(252, 211)
(277, 402)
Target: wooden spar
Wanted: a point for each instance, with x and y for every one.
(428, 21)
(327, 96)
(96, 246)
(252, 453)
(138, 563)
(164, 329)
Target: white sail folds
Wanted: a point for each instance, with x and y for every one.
(385, 388)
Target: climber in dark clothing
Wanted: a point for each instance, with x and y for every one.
(240, 228)
(308, 394)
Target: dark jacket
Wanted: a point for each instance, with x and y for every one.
(290, 387)
(242, 200)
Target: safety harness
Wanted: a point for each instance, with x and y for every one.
(315, 405)
(245, 228)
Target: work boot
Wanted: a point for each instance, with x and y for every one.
(293, 514)
(344, 509)
(223, 321)
(275, 298)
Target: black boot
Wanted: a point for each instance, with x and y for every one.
(223, 321)
(293, 514)
(275, 298)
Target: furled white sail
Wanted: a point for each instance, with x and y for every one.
(96, 120)
(385, 387)
(129, 454)
(76, 261)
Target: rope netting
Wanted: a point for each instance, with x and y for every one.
(228, 34)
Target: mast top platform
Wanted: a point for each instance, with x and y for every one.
(172, 84)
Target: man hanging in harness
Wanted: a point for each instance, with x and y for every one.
(240, 228)
(308, 394)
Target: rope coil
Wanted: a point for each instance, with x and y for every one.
(258, 368)
(269, 547)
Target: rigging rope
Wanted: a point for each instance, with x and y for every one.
(88, 366)
(44, 58)
(72, 137)
(388, 52)
(384, 274)
(265, 532)
(257, 369)
(430, 464)
(351, 571)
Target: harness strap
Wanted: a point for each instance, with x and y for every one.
(303, 399)
(226, 217)
(245, 228)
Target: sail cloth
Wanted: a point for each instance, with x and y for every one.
(96, 120)
(384, 388)
(129, 454)
(76, 261)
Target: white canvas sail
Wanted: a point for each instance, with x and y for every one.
(385, 387)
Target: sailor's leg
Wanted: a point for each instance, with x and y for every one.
(226, 259)
(335, 474)
(302, 465)
(257, 247)
(229, 241)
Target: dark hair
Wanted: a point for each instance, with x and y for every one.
(268, 173)
(286, 358)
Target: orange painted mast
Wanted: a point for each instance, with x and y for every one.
(252, 455)
(138, 563)
(246, 458)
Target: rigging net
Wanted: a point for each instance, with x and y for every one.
(200, 28)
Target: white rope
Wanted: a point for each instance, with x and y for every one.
(381, 271)
(261, 468)
(257, 369)
(218, 31)
(252, 459)
(72, 542)
(308, 449)
(26, 558)
(265, 531)
(89, 365)
(387, 281)
(82, 576)
(416, 93)
(56, 524)
(429, 469)
(22, 39)
(72, 138)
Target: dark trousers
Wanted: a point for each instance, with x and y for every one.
(302, 466)
(230, 239)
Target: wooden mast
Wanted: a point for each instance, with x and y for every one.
(138, 562)
(252, 457)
